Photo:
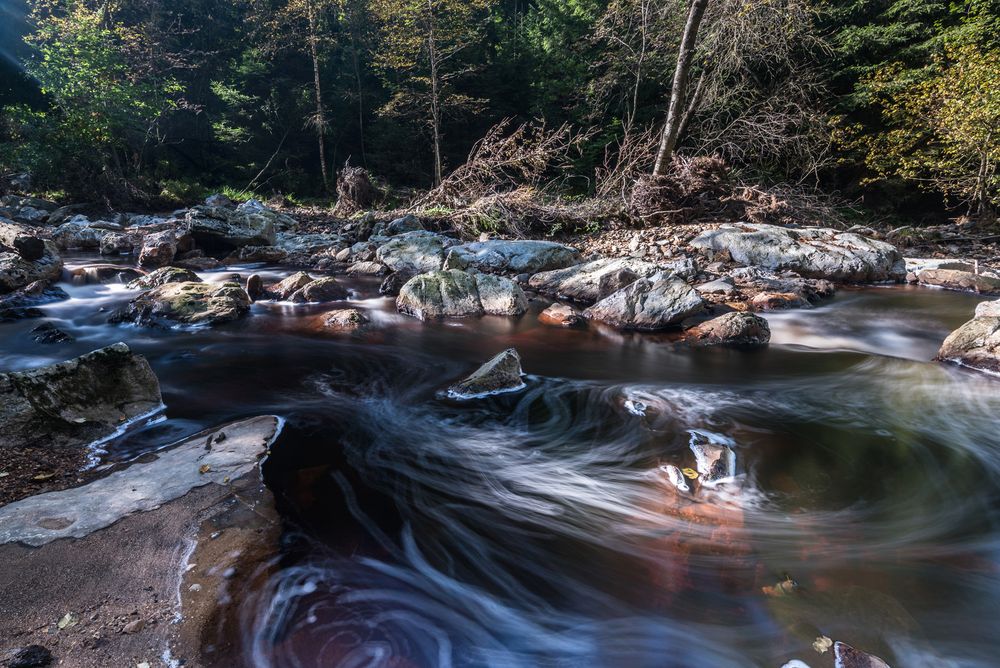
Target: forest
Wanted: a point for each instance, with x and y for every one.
(889, 107)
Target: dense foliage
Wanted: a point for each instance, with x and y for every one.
(138, 99)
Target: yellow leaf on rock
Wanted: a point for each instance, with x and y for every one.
(690, 473)
(204, 468)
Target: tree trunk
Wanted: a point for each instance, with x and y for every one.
(435, 95)
(320, 121)
(675, 112)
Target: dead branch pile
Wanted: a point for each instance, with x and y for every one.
(525, 212)
(791, 205)
(506, 160)
(693, 188)
(355, 191)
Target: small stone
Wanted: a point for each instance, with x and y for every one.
(134, 626)
(500, 374)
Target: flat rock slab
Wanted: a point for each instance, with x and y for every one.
(512, 257)
(811, 252)
(121, 585)
(955, 279)
(582, 282)
(648, 305)
(218, 456)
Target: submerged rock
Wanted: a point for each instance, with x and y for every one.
(976, 344)
(76, 402)
(414, 252)
(49, 333)
(582, 282)
(22, 303)
(811, 252)
(561, 315)
(97, 274)
(162, 276)
(500, 374)
(457, 294)
(512, 257)
(736, 328)
(647, 305)
(186, 304)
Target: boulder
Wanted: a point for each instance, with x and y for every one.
(17, 272)
(648, 304)
(118, 243)
(320, 290)
(22, 303)
(186, 304)
(284, 289)
(561, 315)
(81, 233)
(720, 286)
(512, 257)
(49, 333)
(457, 294)
(77, 402)
(614, 281)
(955, 279)
(158, 249)
(162, 276)
(408, 223)
(306, 245)
(811, 252)
(255, 287)
(345, 320)
(767, 289)
(500, 296)
(218, 199)
(17, 202)
(736, 329)
(500, 374)
(97, 274)
(415, 252)
(21, 240)
(774, 301)
(219, 228)
(975, 344)
(582, 282)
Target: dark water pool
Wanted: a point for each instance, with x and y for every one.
(539, 529)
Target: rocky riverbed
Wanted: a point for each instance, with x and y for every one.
(145, 355)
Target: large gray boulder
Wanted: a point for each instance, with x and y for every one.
(811, 252)
(158, 249)
(976, 344)
(500, 374)
(458, 294)
(217, 228)
(17, 272)
(582, 282)
(648, 304)
(512, 257)
(186, 304)
(21, 240)
(81, 233)
(77, 402)
(415, 252)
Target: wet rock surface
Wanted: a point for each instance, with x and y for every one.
(162, 276)
(736, 329)
(500, 374)
(582, 282)
(976, 344)
(23, 303)
(186, 304)
(74, 403)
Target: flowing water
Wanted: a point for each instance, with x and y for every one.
(541, 529)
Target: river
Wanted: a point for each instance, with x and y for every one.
(540, 529)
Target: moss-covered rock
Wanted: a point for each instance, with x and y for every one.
(186, 304)
(162, 276)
